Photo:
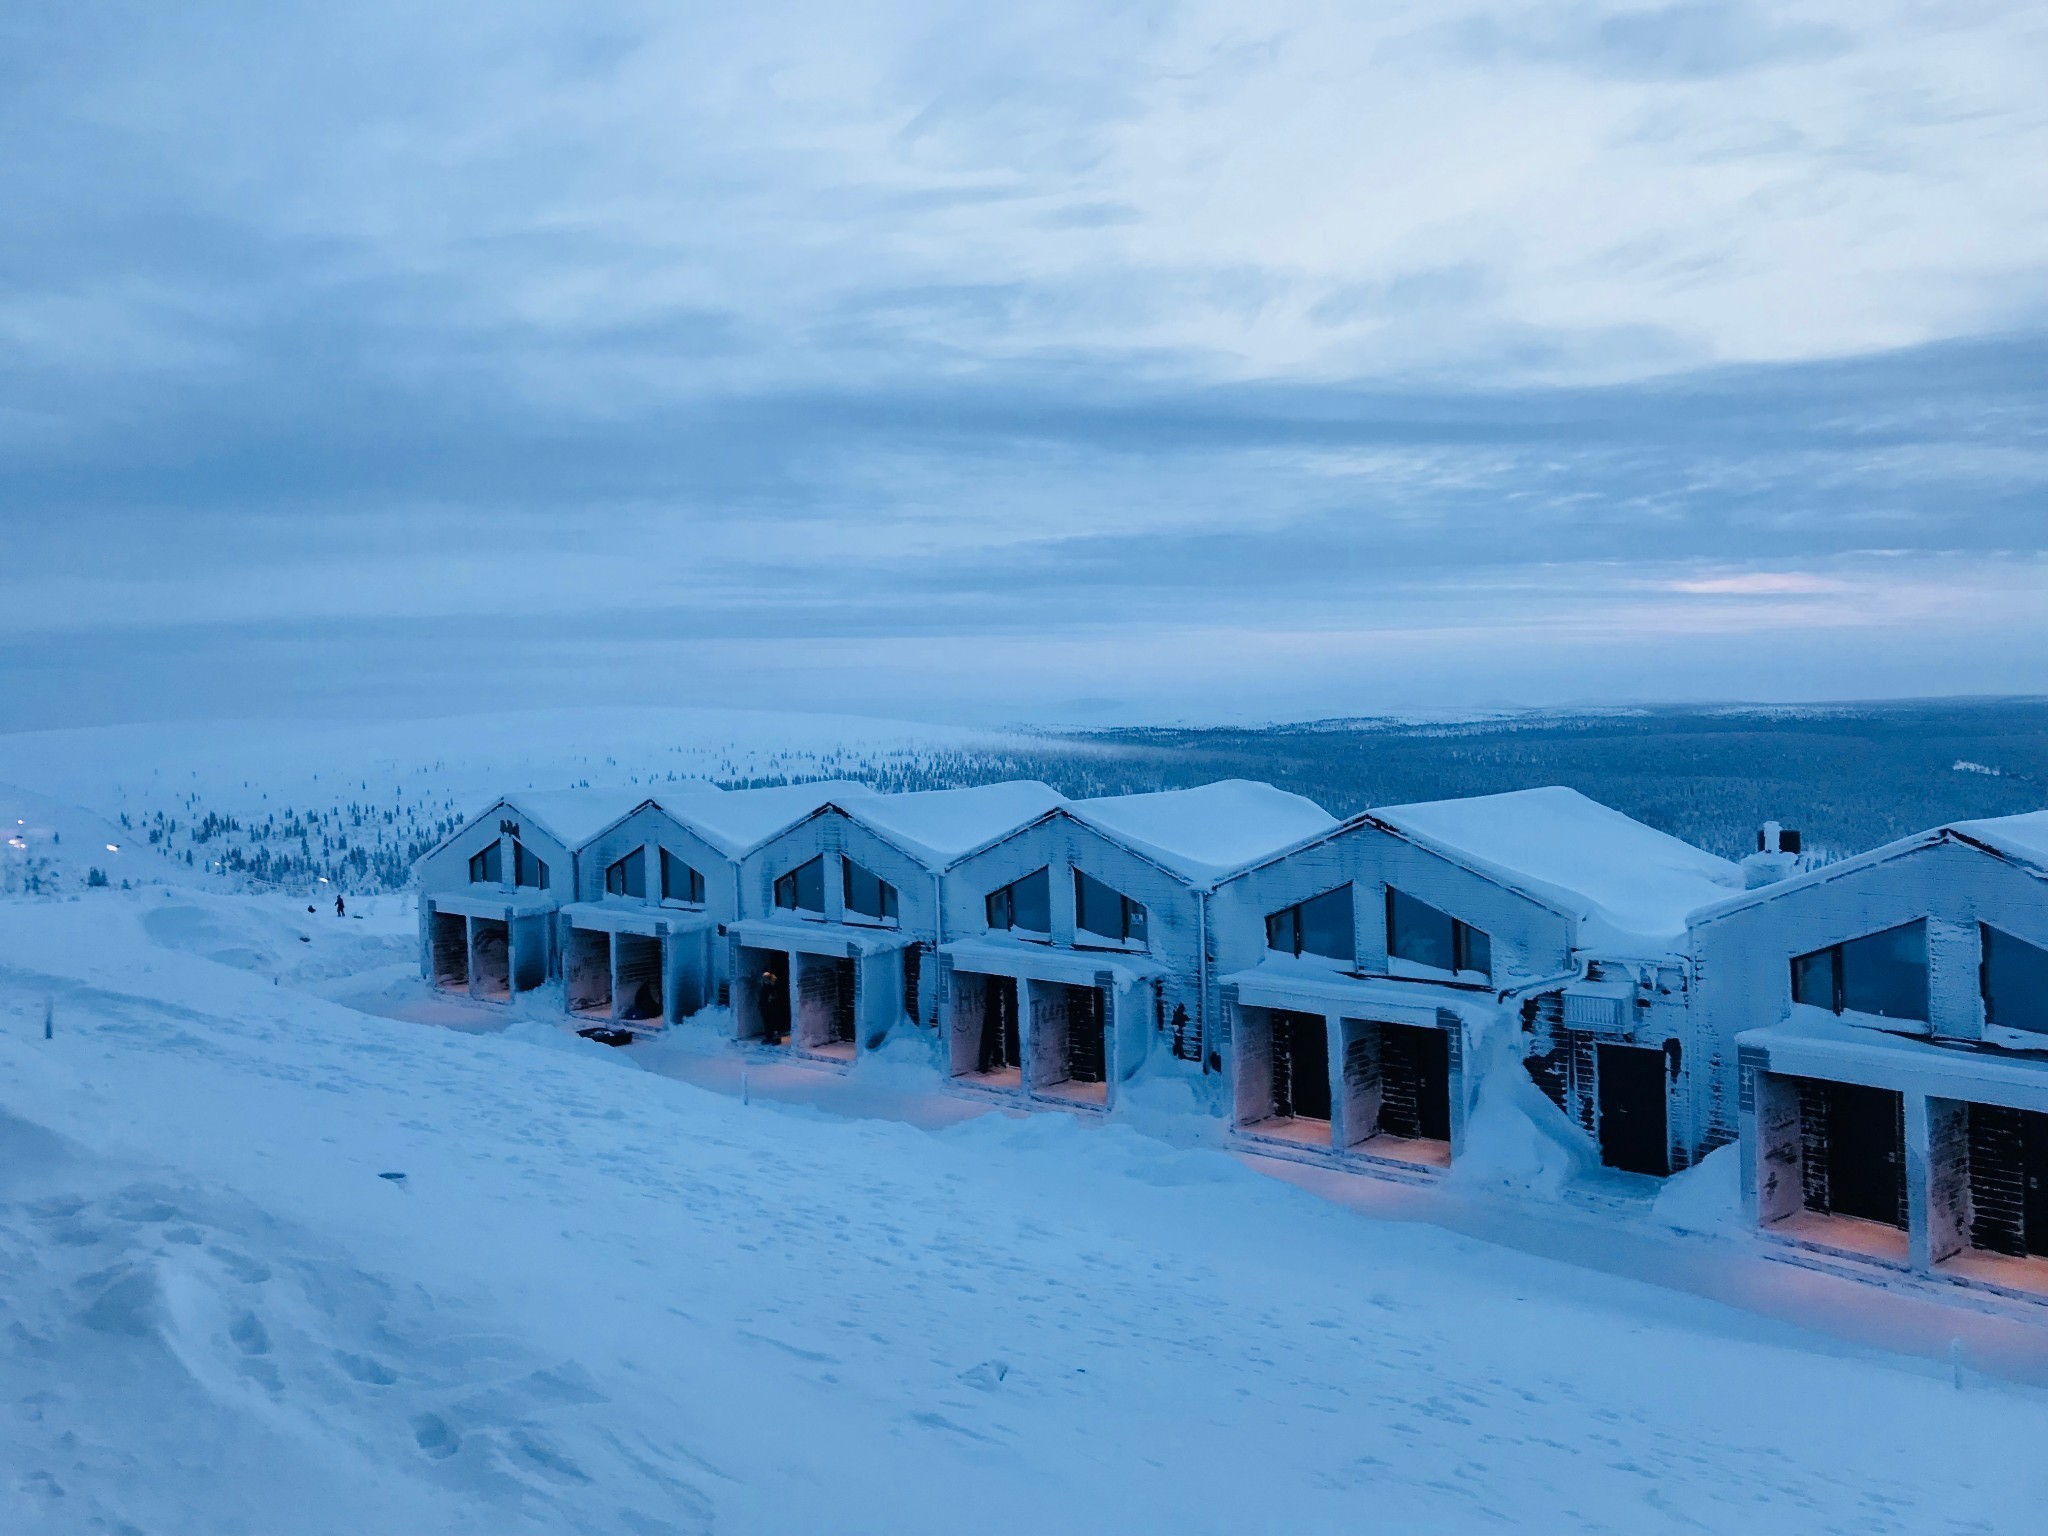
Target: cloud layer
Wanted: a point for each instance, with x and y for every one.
(1156, 358)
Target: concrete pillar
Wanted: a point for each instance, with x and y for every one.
(1462, 1083)
(1955, 997)
(1772, 1183)
(1946, 1230)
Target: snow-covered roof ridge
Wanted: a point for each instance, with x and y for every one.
(737, 821)
(1207, 833)
(1629, 884)
(940, 826)
(575, 816)
(2022, 837)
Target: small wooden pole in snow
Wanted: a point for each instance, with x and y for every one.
(49, 1018)
(743, 1085)
(1955, 1361)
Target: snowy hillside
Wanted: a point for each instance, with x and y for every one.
(269, 1263)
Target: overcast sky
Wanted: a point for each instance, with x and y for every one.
(1077, 362)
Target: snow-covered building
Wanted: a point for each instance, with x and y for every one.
(491, 889)
(1891, 1014)
(1077, 939)
(840, 911)
(1361, 973)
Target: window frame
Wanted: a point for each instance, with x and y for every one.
(1006, 895)
(1836, 956)
(629, 867)
(793, 878)
(889, 899)
(695, 883)
(1289, 920)
(487, 864)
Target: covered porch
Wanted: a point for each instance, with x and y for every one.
(1341, 1069)
(636, 968)
(488, 947)
(1034, 1022)
(1899, 1152)
(822, 991)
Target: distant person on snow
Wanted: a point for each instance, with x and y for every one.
(340, 906)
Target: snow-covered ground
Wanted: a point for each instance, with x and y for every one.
(610, 1294)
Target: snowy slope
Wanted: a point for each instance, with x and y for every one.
(604, 1301)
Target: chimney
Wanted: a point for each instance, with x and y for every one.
(1776, 856)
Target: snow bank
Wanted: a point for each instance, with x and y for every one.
(1516, 1140)
(1707, 1197)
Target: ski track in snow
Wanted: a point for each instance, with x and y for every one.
(602, 1300)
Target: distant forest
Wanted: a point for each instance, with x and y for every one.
(1849, 777)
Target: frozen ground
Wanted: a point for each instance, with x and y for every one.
(608, 1295)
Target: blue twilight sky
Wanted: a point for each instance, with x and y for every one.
(1070, 362)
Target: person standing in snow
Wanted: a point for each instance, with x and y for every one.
(340, 906)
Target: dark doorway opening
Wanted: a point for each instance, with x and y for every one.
(588, 978)
(768, 987)
(491, 958)
(1301, 1066)
(825, 993)
(1069, 1041)
(2008, 1180)
(1415, 1082)
(1002, 1040)
(639, 977)
(451, 951)
(1853, 1151)
(1633, 1132)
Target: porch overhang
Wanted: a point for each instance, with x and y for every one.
(1032, 962)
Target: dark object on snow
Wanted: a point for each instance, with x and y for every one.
(396, 1178)
(340, 907)
(305, 938)
(604, 1034)
(310, 907)
(49, 1018)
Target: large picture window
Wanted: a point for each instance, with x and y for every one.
(628, 877)
(1322, 925)
(487, 867)
(803, 888)
(526, 869)
(1423, 935)
(1106, 912)
(1881, 973)
(2015, 979)
(867, 895)
(1025, 903)
(680, 881)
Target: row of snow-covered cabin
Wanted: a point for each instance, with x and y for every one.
(1873, 1032)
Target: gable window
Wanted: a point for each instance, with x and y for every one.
(487, 867)
(680, 881)
(1025, 903)
(803, 888)
(2015, 979)
(526, 869)
(1881, 973)
(628, 877)
(1319, 926)
(865, 894)
(1422, 935)
(1106, 912)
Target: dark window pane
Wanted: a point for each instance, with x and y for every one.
(1031, 901)
(1418, 933)
(803, 888)
(2015, 982)
(866, 894)
(1325, 925)
(1283, 931)
(1475, 950)
(1002, 911)
(526, 869)
(1813, 980)
(1886, 973)
(628, 877)
(487, 867)
(1102, 910)
(680, 881)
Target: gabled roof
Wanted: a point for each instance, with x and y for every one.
(1206, 833)
(2022, 838)
(574, 816)
(737, 821)
(1628, 884)
(939, 826)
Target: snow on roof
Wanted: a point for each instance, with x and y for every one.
(575, 816)
(942, 824)
(737, 820)
(1206, 833)
(2024, 836)
(1629, 882)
